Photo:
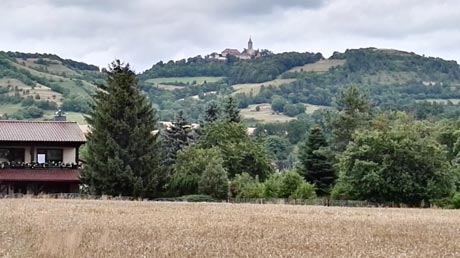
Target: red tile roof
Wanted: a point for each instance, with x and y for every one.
(48, 131)
(231, 51)
(40, 175)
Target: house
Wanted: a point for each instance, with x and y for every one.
(247, 53)
(39, 157)
(231, 51)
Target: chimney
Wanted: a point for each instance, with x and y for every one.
(59, 116)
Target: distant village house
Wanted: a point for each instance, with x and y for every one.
(247, 53)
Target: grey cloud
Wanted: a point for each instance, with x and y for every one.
(143, 32)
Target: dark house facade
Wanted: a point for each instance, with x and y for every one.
(39, 157)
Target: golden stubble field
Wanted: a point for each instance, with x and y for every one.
(82, 228)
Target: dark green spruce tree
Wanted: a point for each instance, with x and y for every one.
(175, 138)
(354, 111)
(123, 151)
(315, 165)
(212, 112)
(231, 111)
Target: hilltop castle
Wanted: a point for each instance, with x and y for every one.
(247, 53)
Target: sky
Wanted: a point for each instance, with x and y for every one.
(143, 32)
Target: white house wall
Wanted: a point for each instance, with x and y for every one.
(27, 157)
(69, 155)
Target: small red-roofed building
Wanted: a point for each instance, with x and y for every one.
(39, 157)
(231, 51)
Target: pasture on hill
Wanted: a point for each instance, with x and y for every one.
(84, 228)
(52, 66)
(320, 66)
(26, 78)
(197, 80)
(9, 108)
(255, 87)
(441, 101)
(265, 114)
(310, 108)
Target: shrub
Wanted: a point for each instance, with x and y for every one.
(342, 191)
(272, 186)
(455, 201)
(182, 183)
(190, 165)
(304, 191)
(214, 180)
(33, 112)
(239, 182)
(289, 184)
(196, 198)
(253, 190)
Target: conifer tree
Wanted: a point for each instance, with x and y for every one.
(315, 165)
(355, 111)
(212, 112)
(231, 111)
(123, 153)
(176, 137)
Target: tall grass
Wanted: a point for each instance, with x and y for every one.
(102, 228)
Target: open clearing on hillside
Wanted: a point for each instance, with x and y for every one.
(25, 91)
(52, 66)
(319, 67)
(168, 87)
(5, 82)
(255, 87)
(439, 101)
(312, 108)
(266, 114)
(83, 228)
(9, 108)
(177, 80)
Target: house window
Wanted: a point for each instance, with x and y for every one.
(49, 155)
(12, 154)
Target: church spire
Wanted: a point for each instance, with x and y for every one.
(250, 43)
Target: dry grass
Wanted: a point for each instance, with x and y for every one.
(53, 66)
(439, 101)
(255, 87)
(73, 228)
(6, 81)
(197, 80)
(266, 114)
(310, 108)
(319, 67)
(45, 92)
(168, 87)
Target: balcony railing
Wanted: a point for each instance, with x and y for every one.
(36, 165)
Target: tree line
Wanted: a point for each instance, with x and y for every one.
(355, 152)
(260, 69)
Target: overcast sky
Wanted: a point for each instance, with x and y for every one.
(143, 32)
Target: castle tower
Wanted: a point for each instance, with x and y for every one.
(250, 44)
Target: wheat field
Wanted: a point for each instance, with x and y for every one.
(82, 228)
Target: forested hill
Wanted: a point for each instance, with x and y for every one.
(286, 82)
(389, 76)
(264, 68)
(289, 84)
(397, 64)
(35, 85)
